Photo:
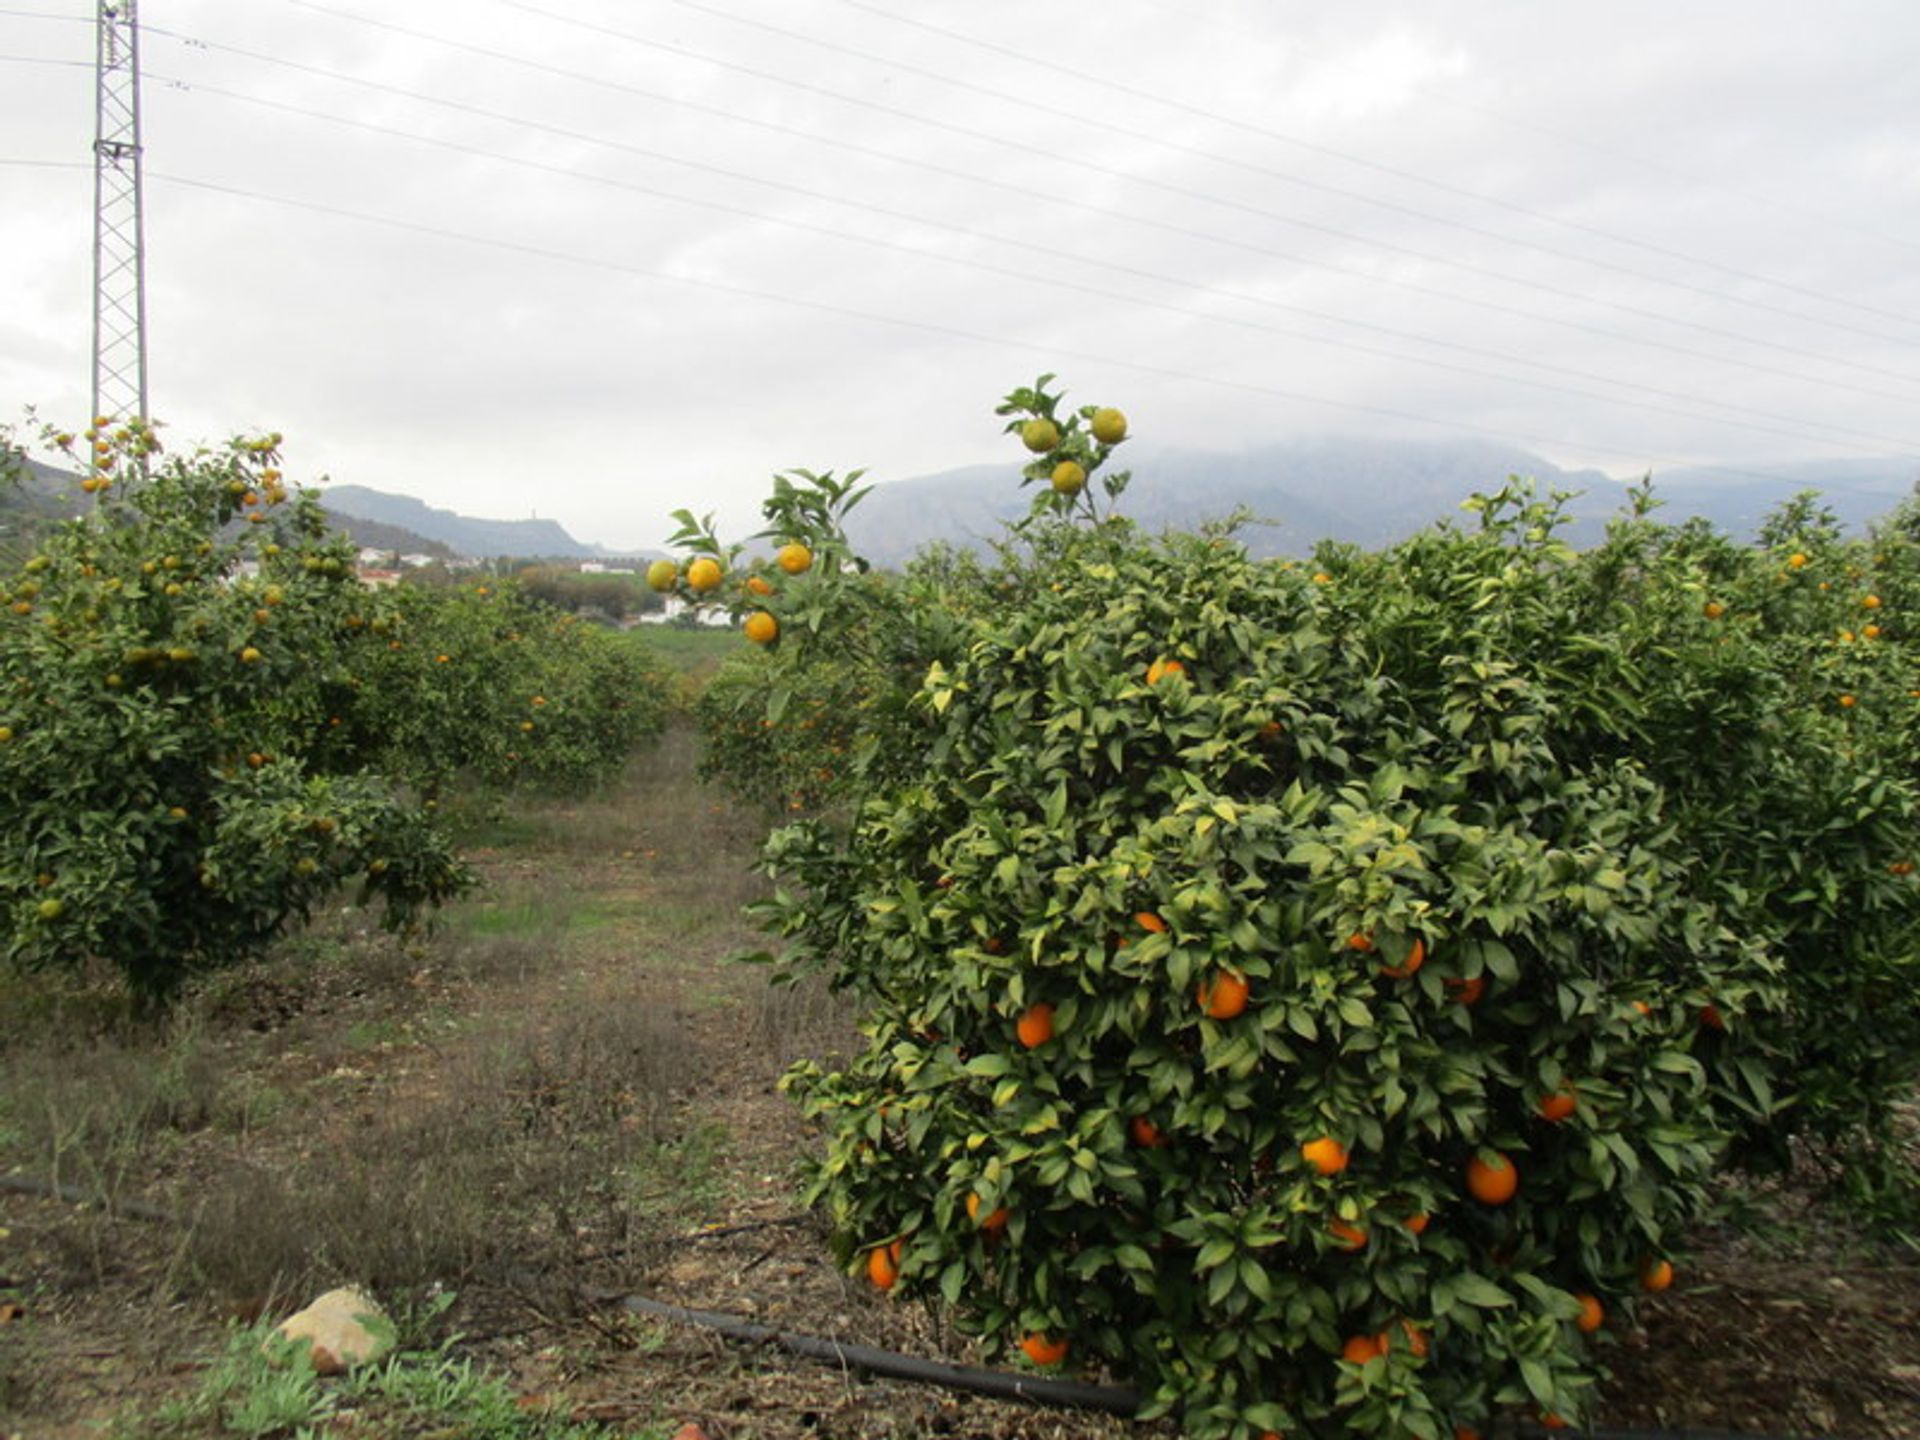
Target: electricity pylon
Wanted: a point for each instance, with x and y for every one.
(119, 255)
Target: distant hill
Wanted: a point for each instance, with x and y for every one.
(465, 535)
(1368, 492)
(373, 535)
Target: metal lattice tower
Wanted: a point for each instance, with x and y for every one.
(119, 256)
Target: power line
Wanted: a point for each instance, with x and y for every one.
(1055, 283)
(1813, 220)
(1189, 193)
(923, 166)
(1055, 66)
(1049, 352)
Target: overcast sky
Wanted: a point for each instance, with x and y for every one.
(595, 260)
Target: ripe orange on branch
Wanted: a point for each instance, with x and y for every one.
(1416, 957)
(1043, 1350)
(1492, 1182)
(1036, 1025)
(1223, 997)
(996, 1220)
(1326, 1155)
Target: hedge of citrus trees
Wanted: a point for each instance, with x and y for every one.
(483, 683)
(206, 723)
(1324, 993)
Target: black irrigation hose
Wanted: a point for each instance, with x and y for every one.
(73, 1194)
(1067, 1394)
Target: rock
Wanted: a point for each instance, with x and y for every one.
(343, 1328)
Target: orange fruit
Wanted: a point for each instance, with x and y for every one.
(1161, 669)
(1351, 1237)
(1224, 997)
(1872, 632)
(1466, 992)
(1416, 1339)
(1326, 1155)
(1145, 1133)
(1465, 1432)
(1870, 602)
(1796, 560)
(1713, 609)
(1416, 957)
(1043, 1349)
(1846, 702)
(1656, 1275)
(761, 628)
(1147, 920)
(249, 656)
(1417, 1224)
(1036, 1025)
(662, 575)
(883, 1265)
(1360, 1348)
(703, 575)
(1592, 1313)
(1109, 426)
(1643, 1008)
(996, 1220)
(1362, 943)
(794, 558)
(1040, 435)
(1492, 1182)
(1551, 1421)
(1069, 477)
(1711, 1017)
(758, 585)
(1900, 867)
(1559, 1105)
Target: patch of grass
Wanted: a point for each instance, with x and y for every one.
(517, 1150)
(259, 1387)
(804, 1020)
(684, 1177)
(694, 654)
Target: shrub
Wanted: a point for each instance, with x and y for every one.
(160, 709)
(480, 681)
(1313, 990)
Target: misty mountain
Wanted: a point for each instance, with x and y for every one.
(465, 535)
(1368, 492)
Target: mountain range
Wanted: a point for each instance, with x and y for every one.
(1368, 492)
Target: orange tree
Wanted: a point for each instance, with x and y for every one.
(819, 702)
(481, 682)
(162, 662)
(1324, 993)
(819, 707)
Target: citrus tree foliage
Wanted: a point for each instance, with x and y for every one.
(1324, 993)
(482, 682)
(164, 669)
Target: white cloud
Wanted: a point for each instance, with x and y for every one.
(603, 390)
